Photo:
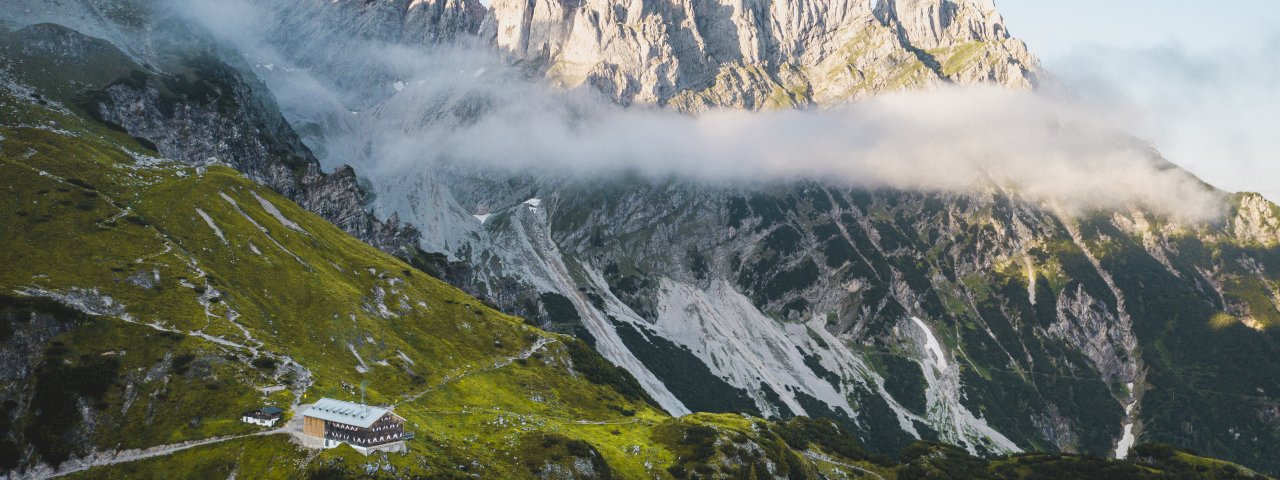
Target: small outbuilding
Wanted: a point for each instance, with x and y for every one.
(265, 416)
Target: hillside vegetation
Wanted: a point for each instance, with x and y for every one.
(147, 302)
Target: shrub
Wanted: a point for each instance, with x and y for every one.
(599, 371)
(59, 386)
(800, 432)
(136, 220)
(81, 183)
(265, 363)
(182, 363)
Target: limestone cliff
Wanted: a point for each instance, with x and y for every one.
(696, 54)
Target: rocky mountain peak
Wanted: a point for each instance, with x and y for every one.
(697, 54)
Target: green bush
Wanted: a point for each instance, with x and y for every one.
(801, 432)
(543, 449)
(182, 363)
(60, 383)
(265, 363)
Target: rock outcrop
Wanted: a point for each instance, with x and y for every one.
(932, 24)
(1256, 220)
(305, 23)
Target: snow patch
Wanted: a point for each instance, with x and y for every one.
(940, 360)
(1127, 438)
(1031, 281)
(482, 218)
(217, 231)
(398, 86)
(275, 212)
(533, 202)
(404, 357)
(261, 228)
(362, 367)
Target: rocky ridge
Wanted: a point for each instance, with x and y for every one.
(689, 55)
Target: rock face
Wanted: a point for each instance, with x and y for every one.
(967, 39)
(210, 113)
(798, 301)
(931, 24)
(690, 55)
(243, 129)
(428, 21)
(1257, 221)
(696, 54)
(411, 22)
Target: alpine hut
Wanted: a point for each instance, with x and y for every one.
(366, 428)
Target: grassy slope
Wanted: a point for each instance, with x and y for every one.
(312, 295)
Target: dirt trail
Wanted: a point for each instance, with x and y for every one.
(524, 355)
(122, 456)
(824, 459)
(292, 427)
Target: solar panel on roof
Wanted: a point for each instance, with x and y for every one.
(355, 414)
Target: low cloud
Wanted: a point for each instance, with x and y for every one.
(1214, 112)
(403, 110)
(953, 140)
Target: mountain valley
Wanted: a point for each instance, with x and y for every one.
(176, 254)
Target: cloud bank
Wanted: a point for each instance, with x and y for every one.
(1213, 111)
(403, 110)
(954, 140)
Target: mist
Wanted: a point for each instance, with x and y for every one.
(394, 111)
(1213, 111)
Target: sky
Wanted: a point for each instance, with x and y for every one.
(1201, 77)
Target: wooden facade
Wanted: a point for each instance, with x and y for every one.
(313, 426)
